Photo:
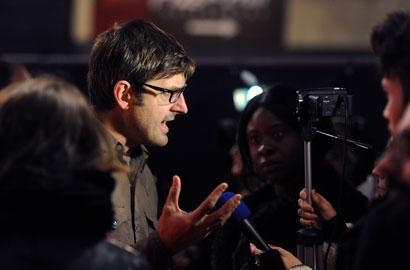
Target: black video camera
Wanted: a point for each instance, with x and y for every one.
(323, 102)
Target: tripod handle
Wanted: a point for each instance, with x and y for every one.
(308, 170)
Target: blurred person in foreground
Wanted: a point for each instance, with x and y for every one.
(385, 231)
(137, 76)
(55, 182)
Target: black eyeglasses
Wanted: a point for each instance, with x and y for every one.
(173, 94)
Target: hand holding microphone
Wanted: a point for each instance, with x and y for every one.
(241, 214)
(267, 259)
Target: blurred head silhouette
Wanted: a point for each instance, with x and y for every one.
(53, 159)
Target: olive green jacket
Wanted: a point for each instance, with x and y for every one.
(135, 201)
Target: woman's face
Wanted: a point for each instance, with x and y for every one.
(275, 148)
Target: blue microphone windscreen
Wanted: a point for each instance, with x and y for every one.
(241, 212)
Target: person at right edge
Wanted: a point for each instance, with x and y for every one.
(370, 244)
(137, 76)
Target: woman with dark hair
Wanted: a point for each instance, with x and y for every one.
(271, 145)
(55, 183)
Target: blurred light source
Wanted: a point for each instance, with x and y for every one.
(241, 96)
(248, 77)
(254, 91)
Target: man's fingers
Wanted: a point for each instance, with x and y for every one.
(173, 193)
(220, 216)
(209, 203)
(213, 221)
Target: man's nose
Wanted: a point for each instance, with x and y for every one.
(180, 107)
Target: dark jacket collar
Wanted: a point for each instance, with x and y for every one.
(68, 202)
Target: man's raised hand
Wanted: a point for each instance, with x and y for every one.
(179, 229)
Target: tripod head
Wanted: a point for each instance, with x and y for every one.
(323, 102)
(314, 104)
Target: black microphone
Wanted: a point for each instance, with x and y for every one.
(241, 214)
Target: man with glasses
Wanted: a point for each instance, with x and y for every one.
(172, 94)
(137, 75)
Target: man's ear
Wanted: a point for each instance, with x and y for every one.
(122, 94)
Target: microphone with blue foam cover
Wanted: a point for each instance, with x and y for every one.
(241, 214)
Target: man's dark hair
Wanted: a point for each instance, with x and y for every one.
(136, 51)
(390, 41)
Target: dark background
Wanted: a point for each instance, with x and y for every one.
(36, 34)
